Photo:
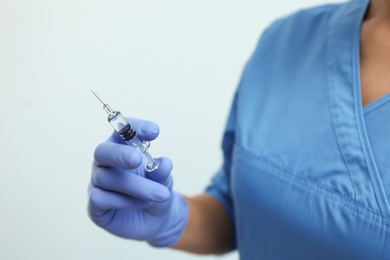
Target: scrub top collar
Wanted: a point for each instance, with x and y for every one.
(346, 105)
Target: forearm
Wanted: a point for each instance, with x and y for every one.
(208, 230)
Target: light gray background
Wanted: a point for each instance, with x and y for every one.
(174, 62)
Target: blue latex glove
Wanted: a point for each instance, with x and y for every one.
(129, 202)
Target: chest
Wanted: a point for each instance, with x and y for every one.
(374, 61)
(375, 81)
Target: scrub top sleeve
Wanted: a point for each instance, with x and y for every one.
(220, 187)
(220, 184)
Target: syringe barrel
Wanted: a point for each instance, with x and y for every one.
(142, 146)
(117, 121)
(128, 134)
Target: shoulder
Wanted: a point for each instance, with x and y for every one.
(295, 34)
(303, 25)
(291, 51)
(304, 19)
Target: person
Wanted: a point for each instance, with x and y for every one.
(306, 172)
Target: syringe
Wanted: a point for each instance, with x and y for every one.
(125, 130)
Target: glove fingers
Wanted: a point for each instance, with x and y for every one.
(117, 155)
(115, 152)
(119, 180)
(146, 130)
(105, 200)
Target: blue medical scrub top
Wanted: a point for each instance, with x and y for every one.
(306, 171)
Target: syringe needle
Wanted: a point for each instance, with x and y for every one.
(106, 107)
(98, 97)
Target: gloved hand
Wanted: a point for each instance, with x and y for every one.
(129, 202)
